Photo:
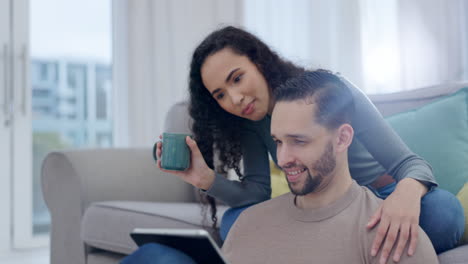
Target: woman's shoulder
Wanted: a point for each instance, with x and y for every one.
(260, 128)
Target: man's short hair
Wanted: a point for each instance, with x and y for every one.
(335, 105)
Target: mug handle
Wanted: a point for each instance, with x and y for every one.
(154, 151)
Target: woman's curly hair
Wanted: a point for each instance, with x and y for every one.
(213, 127)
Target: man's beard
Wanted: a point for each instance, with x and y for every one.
(322, 167)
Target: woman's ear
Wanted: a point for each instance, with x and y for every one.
(344, 138)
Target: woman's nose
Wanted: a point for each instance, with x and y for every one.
(237, 98)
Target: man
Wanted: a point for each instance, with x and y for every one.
(323, 219)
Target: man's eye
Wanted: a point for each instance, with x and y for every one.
(277, 142)
(299, 142)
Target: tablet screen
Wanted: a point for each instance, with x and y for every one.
(196, 243)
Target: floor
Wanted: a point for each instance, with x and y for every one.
(33, 256)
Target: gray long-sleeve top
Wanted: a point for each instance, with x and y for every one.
(376, 150)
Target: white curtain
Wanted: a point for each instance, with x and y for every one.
(153, 42)
(312, 33)
(381, 46)
(408, 44)
(433, 41)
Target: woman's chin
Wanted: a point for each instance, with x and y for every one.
(256, 116)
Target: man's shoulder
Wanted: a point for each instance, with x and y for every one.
(364, 206)
(269, 206)
(259, 216)
(370, 200)
(425, 252)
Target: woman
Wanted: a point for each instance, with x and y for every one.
(232, 77)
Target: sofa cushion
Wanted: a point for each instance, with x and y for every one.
(463, 197)
(438, 132)
(107, 225)
(103, 257)
(457, 255)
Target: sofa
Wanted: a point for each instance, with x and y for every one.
(97, 196)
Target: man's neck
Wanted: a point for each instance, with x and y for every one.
(331, 191)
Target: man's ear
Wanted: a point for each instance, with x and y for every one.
(344, 137)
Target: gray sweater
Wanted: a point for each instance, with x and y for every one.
(376, 150)
(277, 231)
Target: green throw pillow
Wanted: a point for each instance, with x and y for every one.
(438, 132)
(279, 184)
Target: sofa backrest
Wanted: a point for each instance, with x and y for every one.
(392, 103)
(178, 120)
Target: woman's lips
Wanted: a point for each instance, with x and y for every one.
(249, 109)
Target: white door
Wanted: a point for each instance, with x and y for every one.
(55, 93)
(21, 131)
(5, 125)
(15, 129)
(62, 93)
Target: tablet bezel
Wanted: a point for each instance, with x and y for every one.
(138, 235)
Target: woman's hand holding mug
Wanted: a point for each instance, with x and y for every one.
(198, 173)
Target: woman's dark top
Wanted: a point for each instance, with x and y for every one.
(376, 150)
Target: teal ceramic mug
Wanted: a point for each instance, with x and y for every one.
(175, 152)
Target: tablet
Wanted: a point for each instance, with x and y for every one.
(196, 243)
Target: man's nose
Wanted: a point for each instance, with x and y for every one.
(284, 157)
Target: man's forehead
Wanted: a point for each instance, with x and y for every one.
(300, 108)
(291, 117)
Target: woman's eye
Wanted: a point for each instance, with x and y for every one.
(238, 78)
(220, 96)
(277, 142)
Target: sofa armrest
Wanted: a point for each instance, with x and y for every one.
(72, 180)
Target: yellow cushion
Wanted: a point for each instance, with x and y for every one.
(463, 197)
(279, 185)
